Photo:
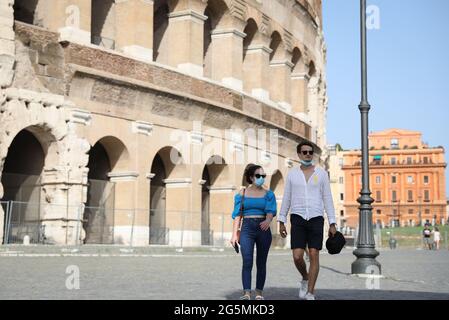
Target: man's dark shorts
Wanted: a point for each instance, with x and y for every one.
(306, 233)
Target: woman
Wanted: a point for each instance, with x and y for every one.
(436, 238)
(258, 210)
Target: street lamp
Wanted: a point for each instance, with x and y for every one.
(366, 253)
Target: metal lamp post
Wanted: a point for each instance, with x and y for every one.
(366, 253)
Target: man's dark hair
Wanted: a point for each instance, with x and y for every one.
(249, 171)
(304, 143)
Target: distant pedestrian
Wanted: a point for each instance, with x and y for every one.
(436, 238)
(426, 237)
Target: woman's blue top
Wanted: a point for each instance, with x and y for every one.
(255, 206)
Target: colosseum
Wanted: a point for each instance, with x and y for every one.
(131, 121)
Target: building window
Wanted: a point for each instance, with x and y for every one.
(342, 196)
(395, 212)
(377, 179)
(427, 211)
(342, 213)
(426, 195)
(409, 160)
(379, 211)
(341, 162)
(393, 179)
(410, 211)
(426, 160)
(340, 180)
(410, 196)
(410, 179)
(393, 160)
(377, 159)
(394, 144)
(426, 179)
(378, 196)
(393, 196)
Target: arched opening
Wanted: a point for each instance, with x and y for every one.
(25, 11)
(98, 219)
(21, 180)
(275, 43)
(158, 192)
(160, 38)
(213, 173)
(312, 70)
(103, 23)
(205, 208)
(250, 31)
(296, 57)
(107, 155)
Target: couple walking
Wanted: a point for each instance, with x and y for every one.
(307, 194)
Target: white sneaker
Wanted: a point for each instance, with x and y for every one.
(309, 296)
(303, 287)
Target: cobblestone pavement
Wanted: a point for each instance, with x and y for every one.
(408, 274)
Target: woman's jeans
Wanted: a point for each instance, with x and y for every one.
(251, 234)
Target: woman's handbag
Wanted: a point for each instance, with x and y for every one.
(241, 217)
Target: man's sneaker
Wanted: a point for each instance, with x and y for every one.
(309, 296)
(303, 287)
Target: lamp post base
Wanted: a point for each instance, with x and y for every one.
(366, 262)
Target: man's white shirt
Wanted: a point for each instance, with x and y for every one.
(308, 199)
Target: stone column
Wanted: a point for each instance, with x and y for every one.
(124, 206)
(227, 57)
(299, 83)
(256, 70)
(134, 28)
(280, 84)
(182, 225)
(186, 40)
(221, 207)
(7, 47)
(61, 210)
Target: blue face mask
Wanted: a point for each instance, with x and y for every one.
(260, 181)
(306, 163)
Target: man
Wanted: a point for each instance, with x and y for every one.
(426, 236)
(307, 194)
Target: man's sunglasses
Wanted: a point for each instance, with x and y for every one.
(260, 175)
(310, 152)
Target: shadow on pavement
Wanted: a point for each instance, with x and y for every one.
(347, 294)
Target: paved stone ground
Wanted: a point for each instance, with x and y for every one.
(205, 274)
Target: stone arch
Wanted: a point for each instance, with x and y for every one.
(117, 152)
(107, 156)
(103, 28)
(167, 163)
(21, 180)
(215, 175)
(174, 163)
(251, 30)
(276, 46)
(160, 27)
(297, 61)
(65, 158)
(157, 202)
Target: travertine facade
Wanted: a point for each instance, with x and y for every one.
(98, 97)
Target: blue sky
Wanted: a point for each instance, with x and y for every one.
(408, 70)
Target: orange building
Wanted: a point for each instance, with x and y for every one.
(407, 180)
